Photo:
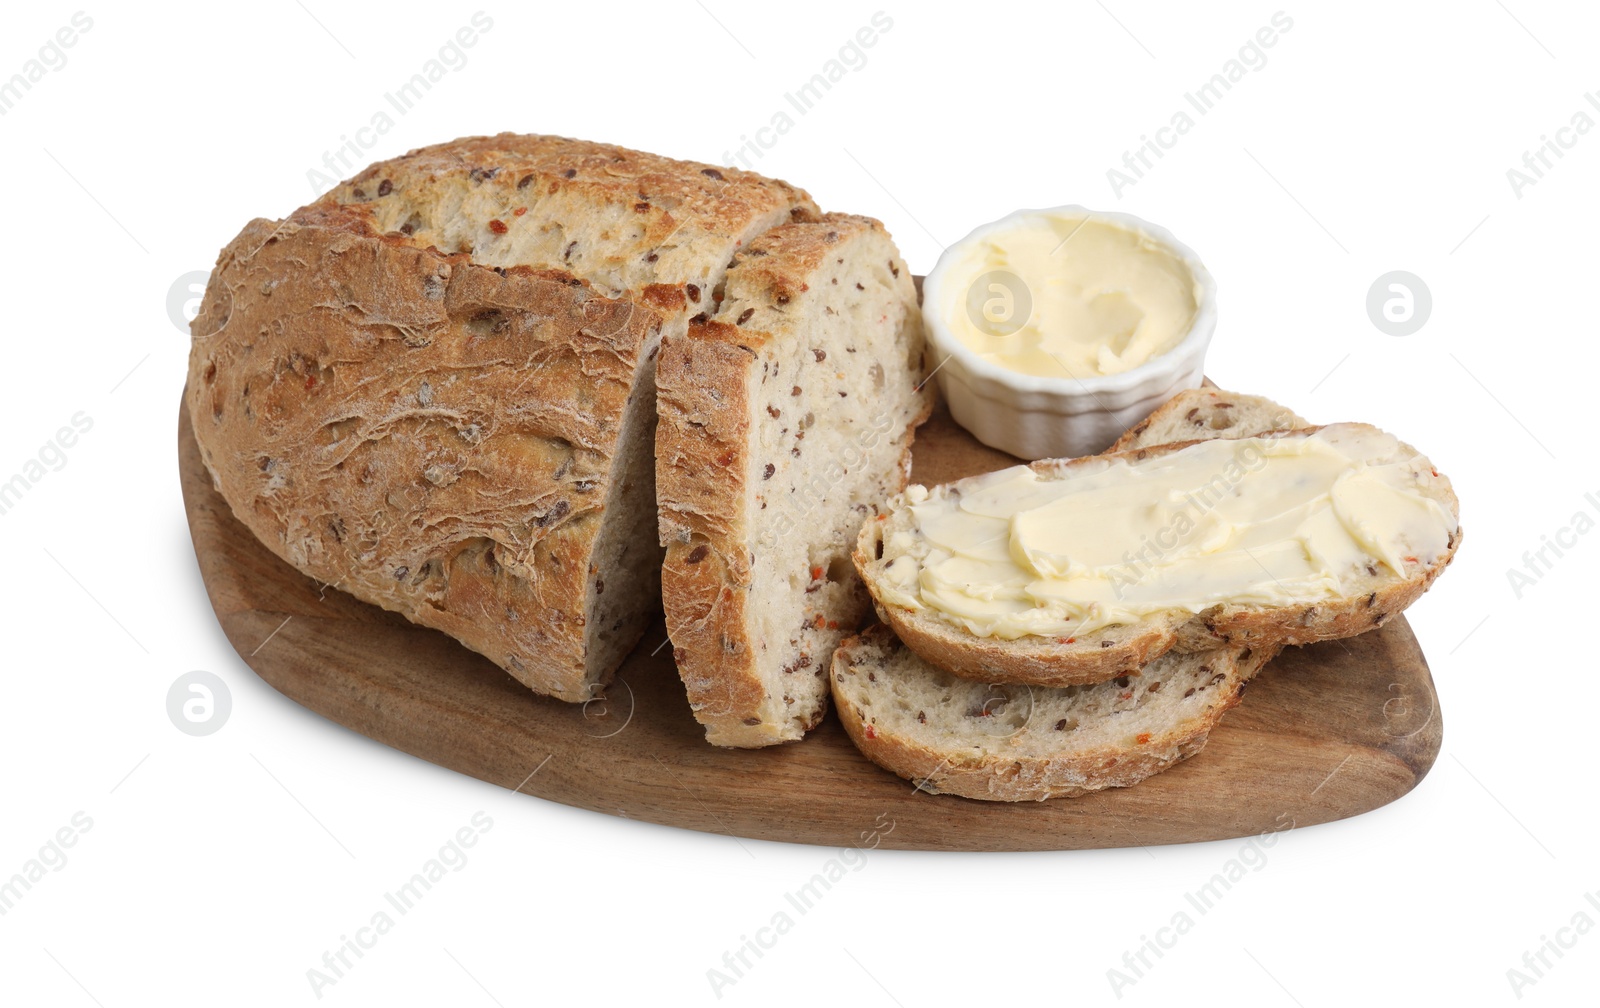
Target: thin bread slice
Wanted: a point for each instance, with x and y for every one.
(1366, 596)
(959, 736)
(786, 421)
(1207, 413)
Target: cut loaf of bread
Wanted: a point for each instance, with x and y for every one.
(786, 420)
(434, 387)
(951, 735)
(1370, 599)
(1205, 414)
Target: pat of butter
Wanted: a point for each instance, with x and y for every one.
(1059, 296)
(1255, 521)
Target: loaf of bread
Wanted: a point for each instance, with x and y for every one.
(786, 420)
(1366, 597)
(434, 387)
(1006, 742)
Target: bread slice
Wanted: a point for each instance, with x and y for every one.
(1207, 413)
(1369, 597)
(959, 736)
(786, 420)
(434, 387)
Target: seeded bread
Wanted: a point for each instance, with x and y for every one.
(1206, 413)
(786, 420)
(951, 735)
(434, 387)
(1122, 649)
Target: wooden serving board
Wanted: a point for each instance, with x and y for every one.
(1325, 732)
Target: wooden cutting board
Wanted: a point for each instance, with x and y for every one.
(1324, 732)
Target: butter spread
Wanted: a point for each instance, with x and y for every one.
(1059, 296)
(1254, 521)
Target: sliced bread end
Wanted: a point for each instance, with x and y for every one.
(1207, 413)
(951, 735)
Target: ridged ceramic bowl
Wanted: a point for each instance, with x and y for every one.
(1036, 417)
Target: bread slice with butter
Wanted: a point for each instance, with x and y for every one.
(1087, 610)
(786, 420)
(951, 735)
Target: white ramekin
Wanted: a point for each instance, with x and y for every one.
(1034, 418)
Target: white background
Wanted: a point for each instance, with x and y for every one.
(1376, 137)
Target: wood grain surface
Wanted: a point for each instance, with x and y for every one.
(1325, 732)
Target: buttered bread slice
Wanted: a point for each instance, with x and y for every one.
(786, 421)
(1077, 571)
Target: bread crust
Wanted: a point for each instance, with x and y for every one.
(702, 457)
(1120, 650)
(347, 392)
(621, 219)
(1024, 777)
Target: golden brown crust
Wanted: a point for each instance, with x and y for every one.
(349, 396)
(597, 209)
(1120, 650)
(971, 773)
(702, 457)
(706, 195)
